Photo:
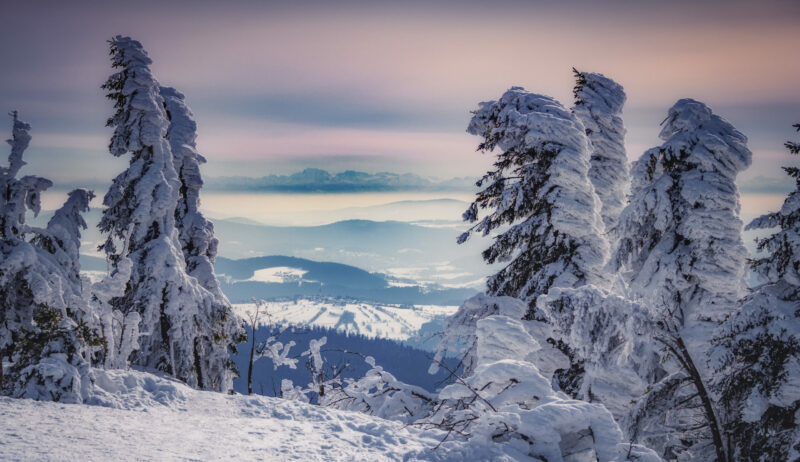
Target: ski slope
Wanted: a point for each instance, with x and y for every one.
(140, 416)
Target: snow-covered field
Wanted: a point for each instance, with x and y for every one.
(278, 274)
(371, 320)
(155, 418)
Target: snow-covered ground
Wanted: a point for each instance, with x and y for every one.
(371, 320)
(278, 274)
(155, 418)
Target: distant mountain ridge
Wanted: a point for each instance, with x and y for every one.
(325, 280)
(318, 180)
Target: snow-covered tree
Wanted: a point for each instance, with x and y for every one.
(541, 200)
(185, 329)
(611, 337)
(540, 191)
(505, 399)
(196, 232)
(598, 105)
(758, 376)
(680, 244)
(43, 315)
(380, 394)
(681, 254)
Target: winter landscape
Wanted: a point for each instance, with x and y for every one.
(521, 231)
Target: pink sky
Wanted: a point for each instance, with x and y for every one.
(402, 76)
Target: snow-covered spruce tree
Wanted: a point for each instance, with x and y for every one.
(196, 232)
(758, 375)
(540, 192)
(540, 189)
(681, 253)
(185, 330)
(598, 105)
(43, 328)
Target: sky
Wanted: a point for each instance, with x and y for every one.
(277, 87)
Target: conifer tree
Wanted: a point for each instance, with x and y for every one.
(598, 105)
(540, 190)
(43, 328)
(681, 253)
(196, 232)
(540, 194)
(185, 331)
(758, 374)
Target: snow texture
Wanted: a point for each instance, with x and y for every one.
(140, 416)
(598, 105)
(540, 190)
(506, 400)
(460, 333)
(611, 336)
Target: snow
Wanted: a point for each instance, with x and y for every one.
(598, 105)
(380, 394)
(140, 416)
(372, 320)
(503, 396)
(278, 274)
(540, 191)
(151, 209)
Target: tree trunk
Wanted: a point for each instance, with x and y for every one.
(250, 366)
(685, 359)
(706, 400)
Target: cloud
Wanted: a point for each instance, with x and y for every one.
(767, 185)
(285, 85)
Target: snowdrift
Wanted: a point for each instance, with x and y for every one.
(141, 416)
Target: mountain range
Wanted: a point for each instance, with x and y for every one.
(318, 180)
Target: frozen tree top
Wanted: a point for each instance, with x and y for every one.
(598, 105)
(20, 138)
(599, 92)
(520, 118)
(718, 146)
(138, 122)
(20, 194)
